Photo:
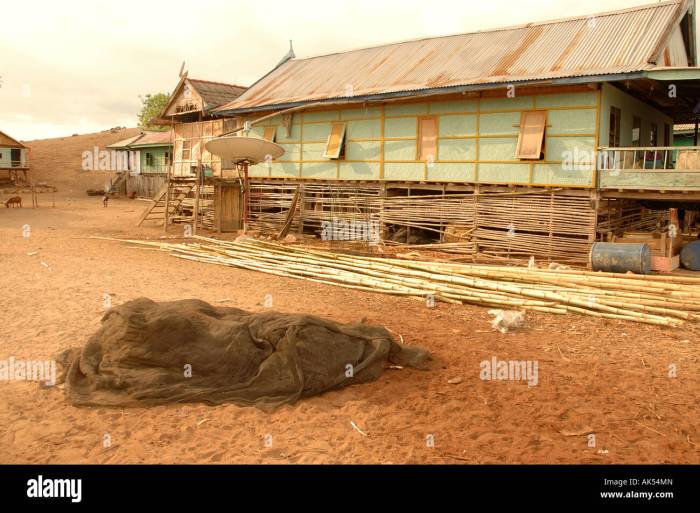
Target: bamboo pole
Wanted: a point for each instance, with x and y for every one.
(646, 299)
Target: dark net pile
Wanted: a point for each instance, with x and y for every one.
(143, 350)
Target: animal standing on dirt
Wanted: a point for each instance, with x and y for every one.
(14, 200)
(105, 200)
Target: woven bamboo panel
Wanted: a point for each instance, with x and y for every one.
(548, 226)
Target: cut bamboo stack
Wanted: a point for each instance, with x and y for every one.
(659, 300)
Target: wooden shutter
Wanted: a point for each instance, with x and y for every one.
(531, 139)
(334, 145)
(427, 139)
(270, 133)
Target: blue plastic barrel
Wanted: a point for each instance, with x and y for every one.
(621, 258)
(690, 256)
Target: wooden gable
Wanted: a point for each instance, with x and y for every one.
(8, 142)
(185, 99)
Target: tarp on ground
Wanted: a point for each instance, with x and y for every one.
(190, 351)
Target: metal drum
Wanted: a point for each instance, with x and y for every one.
(621, 258)
(690, 256)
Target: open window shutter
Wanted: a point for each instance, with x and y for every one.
(427, 139)
(334, 145)
(531, 139)
(270, 133)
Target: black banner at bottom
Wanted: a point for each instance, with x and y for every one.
(125, 485)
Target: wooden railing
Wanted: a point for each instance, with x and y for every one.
(7, 164)
(156, 169)
(657, 168)
(680, 158)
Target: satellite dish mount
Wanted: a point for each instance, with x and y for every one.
(243, 152)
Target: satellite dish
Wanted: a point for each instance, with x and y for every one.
(249, 150)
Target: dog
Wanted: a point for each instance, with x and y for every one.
(14, 200)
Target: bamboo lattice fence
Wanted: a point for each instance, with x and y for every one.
(546, 225)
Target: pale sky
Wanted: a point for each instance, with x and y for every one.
(79, 66)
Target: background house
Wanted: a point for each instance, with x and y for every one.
(13, 160)
(153, 150)
(684, 135)
(190, 112)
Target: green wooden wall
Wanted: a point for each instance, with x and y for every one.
(159, 158)
(5, 157)
(477, 140)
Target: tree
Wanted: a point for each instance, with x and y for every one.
(151, 107)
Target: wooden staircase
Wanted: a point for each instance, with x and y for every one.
(156, 211)
(116, 182)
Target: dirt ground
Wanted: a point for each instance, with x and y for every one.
(610, 379)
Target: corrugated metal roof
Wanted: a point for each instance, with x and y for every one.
(147, 138)
(123, 143)
(600, 44)
(154, 137)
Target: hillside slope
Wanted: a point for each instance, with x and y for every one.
(58, 161)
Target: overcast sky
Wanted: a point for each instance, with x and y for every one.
(75, 66)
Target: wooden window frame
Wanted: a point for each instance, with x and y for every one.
(636, 120)
(149, 157)
(337, 153)
(420, 140)
(614, 131)
(519, 151)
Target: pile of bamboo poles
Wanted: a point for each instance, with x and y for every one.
(659, 300)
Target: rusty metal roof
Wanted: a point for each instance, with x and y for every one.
(124, 143)
(154, 138)
(146, 138)
(600, 44)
